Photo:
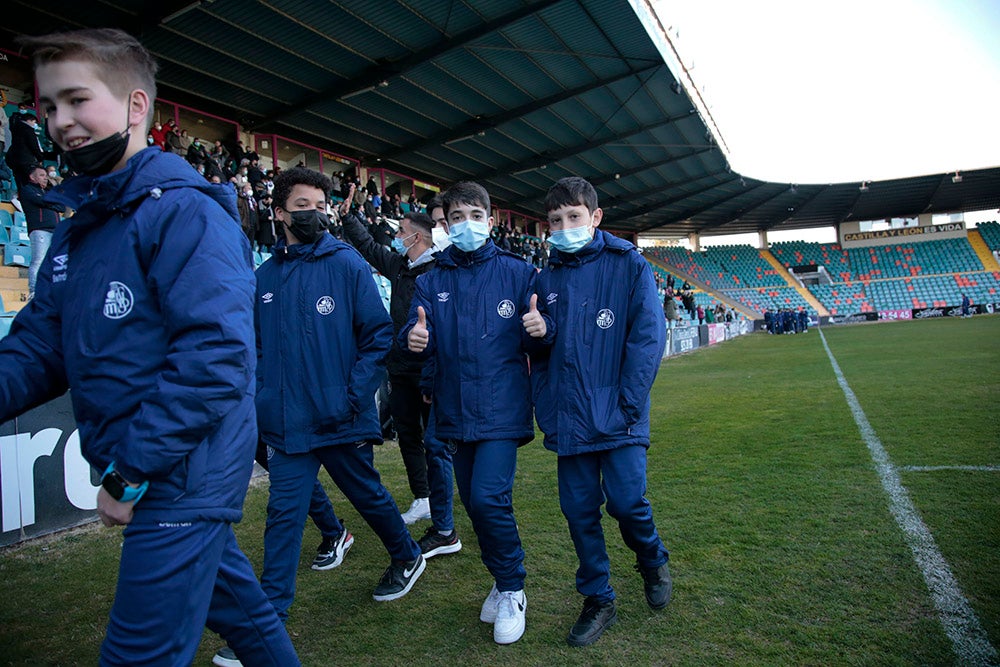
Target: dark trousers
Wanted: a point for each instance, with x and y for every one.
(615, 478)
(409, 416)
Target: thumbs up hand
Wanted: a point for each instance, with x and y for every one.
(533, 321)
(418, 337)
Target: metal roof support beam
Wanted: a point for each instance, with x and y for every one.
(649, 208)
(384, 71)
(548, 158)
(607, 178)
(719, 202)
(632, 196)
(478, 125)
(798, 209)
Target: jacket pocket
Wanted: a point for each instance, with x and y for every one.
(330, 407)
(607, 415)
(268, 413)
(196, 464)
(545, 408)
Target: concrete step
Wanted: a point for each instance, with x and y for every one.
(13, 283)
(12, 298)
(13, 272)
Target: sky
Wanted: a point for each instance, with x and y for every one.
(828, 92)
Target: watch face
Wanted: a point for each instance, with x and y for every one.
(114, 485)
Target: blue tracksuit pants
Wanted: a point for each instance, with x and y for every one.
(484, 472)
(617, 476)
(352, 469)
(320, 507)
(176, 578)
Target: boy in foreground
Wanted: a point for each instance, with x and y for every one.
(144, 307)
(591, 390)
(466, 317)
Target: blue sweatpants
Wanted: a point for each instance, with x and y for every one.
(619, 477)
(176, 578)
(484, 472)
(292, 475)
(320, 507)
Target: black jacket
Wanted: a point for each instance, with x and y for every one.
(24, 150)
(396, 268)
(42, 216)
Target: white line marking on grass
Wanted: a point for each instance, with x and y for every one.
(937, 468)
(968, 639)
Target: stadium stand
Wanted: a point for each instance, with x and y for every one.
(864, 280)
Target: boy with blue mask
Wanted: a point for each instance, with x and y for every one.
(465, 319)
(591, 387)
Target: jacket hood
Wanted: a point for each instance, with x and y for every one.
(588, 252)
(148, 173)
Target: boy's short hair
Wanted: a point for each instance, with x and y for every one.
(435, 202)
(421, 221)
(289, 178)
(465, 192)
(120, 61)
(571, 191)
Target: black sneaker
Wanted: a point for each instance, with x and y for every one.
(434, 543)
(658, 584)
(332, 550)
(398, 579)
(595, 618)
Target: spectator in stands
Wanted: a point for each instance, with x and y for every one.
(25, 150)
(439, 233)
(475, 288)
(159, 134)
(428, 471)
(247, 207)
(592, 399)
(41, 216)
(701, 314)
(196, 153)
(371, 187)
(174, 143)
(219, 153)
(54, 178)
(161, 370)
(317, 372)
(371, 213)
(266, 233)
(670, 309)
(966, 303)
(255, 174)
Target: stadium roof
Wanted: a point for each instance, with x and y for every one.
(512, 93)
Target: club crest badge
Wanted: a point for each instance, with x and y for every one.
(325, 305)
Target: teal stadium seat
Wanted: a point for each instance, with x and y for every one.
(15, 254)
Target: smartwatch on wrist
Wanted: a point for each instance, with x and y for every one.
(119, 489)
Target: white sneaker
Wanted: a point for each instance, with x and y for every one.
(509, 625)
(420, 509)
(488, 614)
(226, 657)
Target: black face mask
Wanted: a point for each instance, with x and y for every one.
(307, 226)
(100, 157)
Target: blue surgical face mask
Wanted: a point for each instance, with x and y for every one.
(399, 245)
(469, 235)
(571, 240)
